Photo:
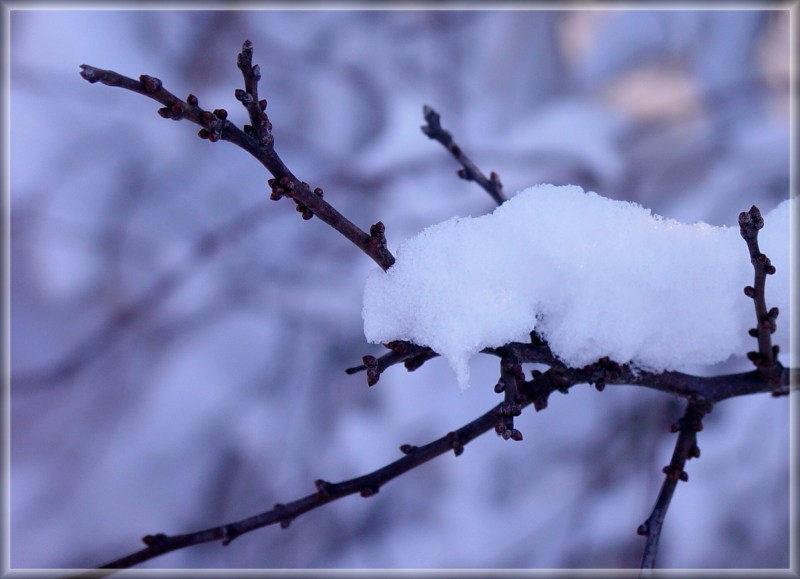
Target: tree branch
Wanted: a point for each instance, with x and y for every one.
(685, 448)
(257, 140)
(367, 485)
(469, 171)
(766, 358)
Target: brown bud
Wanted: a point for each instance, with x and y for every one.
(749, 291)
(203, 134)
(262, 104)
(151, 83)
(407, 448)
(192, 100)
(221, 113)
(642, 530)
(744, 218)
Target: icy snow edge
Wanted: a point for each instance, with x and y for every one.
(593, 276)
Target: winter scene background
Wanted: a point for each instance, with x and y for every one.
(178, 341)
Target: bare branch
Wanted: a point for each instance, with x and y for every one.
(284, 513)
(685, 448)
(257, 141)
(469, 170)
(766, 358)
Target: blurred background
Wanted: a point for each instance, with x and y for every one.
(179, 341)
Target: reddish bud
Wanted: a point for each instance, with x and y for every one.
(749, 291)
(203, 134)
(221, 113)
(262, 104)
(151, 83)
(642, 530)
(192, 100)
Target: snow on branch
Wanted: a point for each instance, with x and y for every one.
(593, 277)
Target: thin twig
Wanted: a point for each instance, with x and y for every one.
(511, 377)
(257, 141)
(766, 358)
(412, 355)
(284, 513)
(685, 448)
(469, 171)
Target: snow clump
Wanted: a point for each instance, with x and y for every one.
(592, 276)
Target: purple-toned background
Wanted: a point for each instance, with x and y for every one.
(179, 341)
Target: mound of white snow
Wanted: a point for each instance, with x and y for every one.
(592, 276)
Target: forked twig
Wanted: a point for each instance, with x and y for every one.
(256, 140)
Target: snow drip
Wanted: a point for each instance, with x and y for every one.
(592, 276)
